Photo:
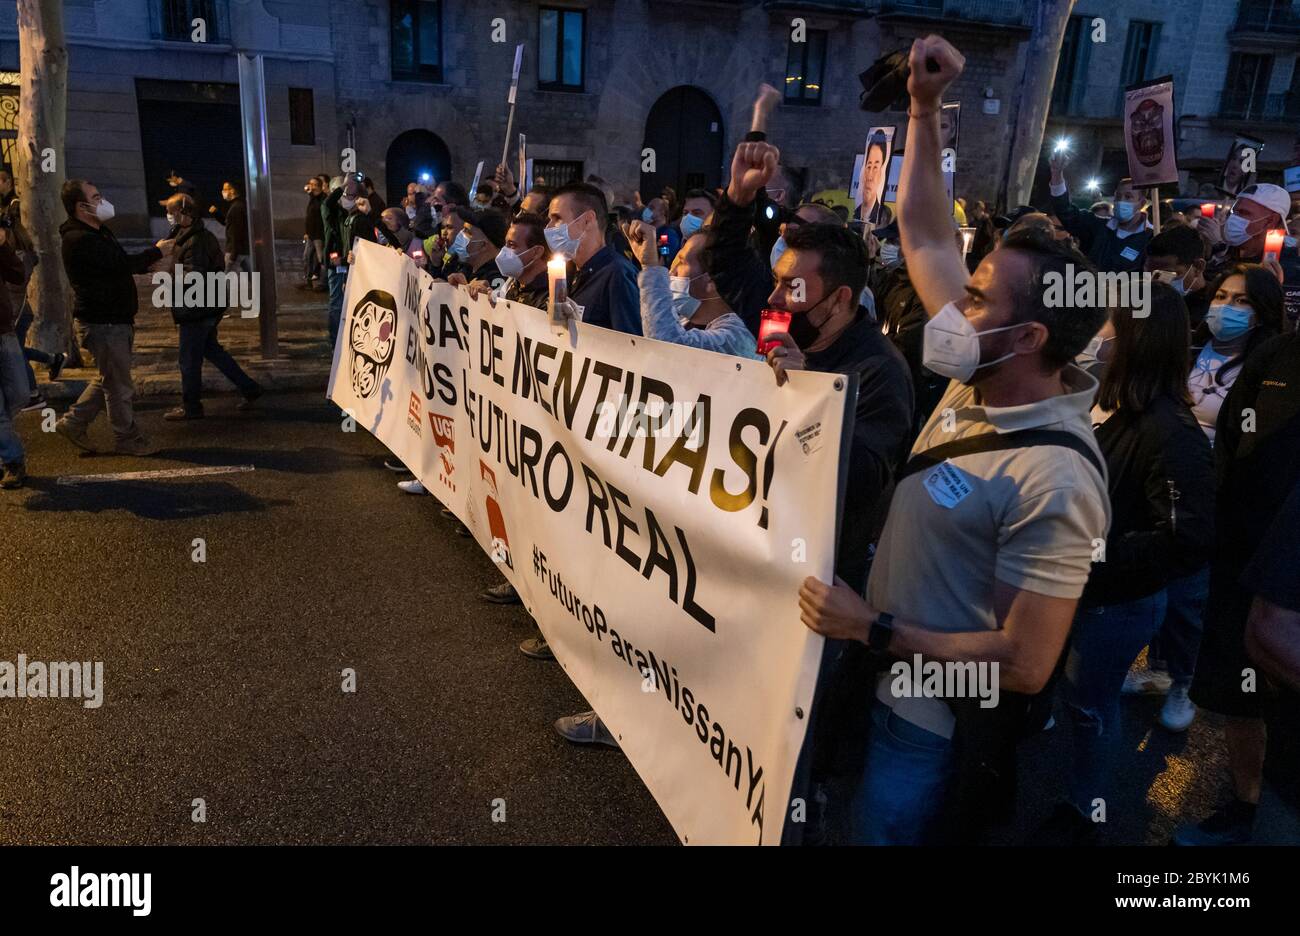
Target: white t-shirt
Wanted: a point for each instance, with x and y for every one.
(1207, 394)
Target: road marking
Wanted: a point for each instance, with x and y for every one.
(154, 475)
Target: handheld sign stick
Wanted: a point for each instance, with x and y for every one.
(514, 88)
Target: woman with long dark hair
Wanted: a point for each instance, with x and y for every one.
(1245, 311)
(1161, 483)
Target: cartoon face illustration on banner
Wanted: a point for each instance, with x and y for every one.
(1147, 131)
(372, 339)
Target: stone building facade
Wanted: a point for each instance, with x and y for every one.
(144, 98)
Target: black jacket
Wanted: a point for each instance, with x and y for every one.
(882, 431)
(1161, 479)
(313, 223)
(742, 276)
(11, 271)
(197, 251)
(902, 318)
(235, 218)
(536, 294)
(1104, 247)
(605, 286)
(100, 273)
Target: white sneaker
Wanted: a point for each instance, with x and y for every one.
(411, 487)
(1178, 712)
(1146, 682)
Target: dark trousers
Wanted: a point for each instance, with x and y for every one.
(30, 354)
(198, 341)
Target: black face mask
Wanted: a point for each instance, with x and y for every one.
(802, 330)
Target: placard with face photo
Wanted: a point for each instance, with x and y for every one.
(1239, 166)
(949, 129)
(869, 169)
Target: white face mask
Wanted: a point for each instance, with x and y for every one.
(347, 202)
(777, 249)
(1236, 230)
(510, 263)
(410, 212)
(684, 304)
(951, 345)
(104, 210)
(171, 219)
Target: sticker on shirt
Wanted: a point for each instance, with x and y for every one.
(947, 485)
(1129, 254)
(810, 438)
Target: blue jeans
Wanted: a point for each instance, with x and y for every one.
(198, 340)
(904, 781)
(1105, 642)
(1173, 649)
(13, 397)
(336, 282)
(24, 322)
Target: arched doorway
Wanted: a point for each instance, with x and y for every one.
(685, 131)
(414, 155)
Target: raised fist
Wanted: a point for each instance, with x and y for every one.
(927, 86)
(751, 169)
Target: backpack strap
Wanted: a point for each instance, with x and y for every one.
(999, 441)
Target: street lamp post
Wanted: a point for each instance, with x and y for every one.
(257, 178)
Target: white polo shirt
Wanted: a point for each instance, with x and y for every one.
(1028, 517)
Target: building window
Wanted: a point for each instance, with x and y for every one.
(1072, 67)
(302, 117)
(173, 20)
(561, 39)
(556, 172)
(415, 39)
(1245, 93)
(805, 65)
(1140, 52)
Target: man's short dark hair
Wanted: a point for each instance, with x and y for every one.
(72, 195)
(1183, 243)
(1070, 326)
(454, 193)
(701, 193)
(533, 226)
(238, 187)
(843, 254)
(587, 196)
(492, 223)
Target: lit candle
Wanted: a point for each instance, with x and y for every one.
(1207, 210)
(967, 239)
(1273, 241)
(557, 275)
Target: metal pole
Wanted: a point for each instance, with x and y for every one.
(257, 181)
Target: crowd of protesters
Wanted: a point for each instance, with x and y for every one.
(1129, 475)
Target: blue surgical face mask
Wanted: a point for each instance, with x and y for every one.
(690, 224)
(561, 241)
(1227, 322)
(777, 249)
(460, 246)
(1124, 210)
(647, 216)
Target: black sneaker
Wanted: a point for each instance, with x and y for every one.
(249, 399)
(181, 413)
(56, 365)
(503, 593)
(393, 464)
(35, 402)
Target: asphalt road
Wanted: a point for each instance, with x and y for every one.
(223, 678)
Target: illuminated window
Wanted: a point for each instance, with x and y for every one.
(805, 65)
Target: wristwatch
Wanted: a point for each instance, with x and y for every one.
(882, 629)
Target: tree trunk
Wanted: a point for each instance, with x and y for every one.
(1050, 19)
(42, 122)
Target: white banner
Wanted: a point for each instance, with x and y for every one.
(1149, 133)
(656, 507)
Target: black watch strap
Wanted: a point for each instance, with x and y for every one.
(881, 630)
